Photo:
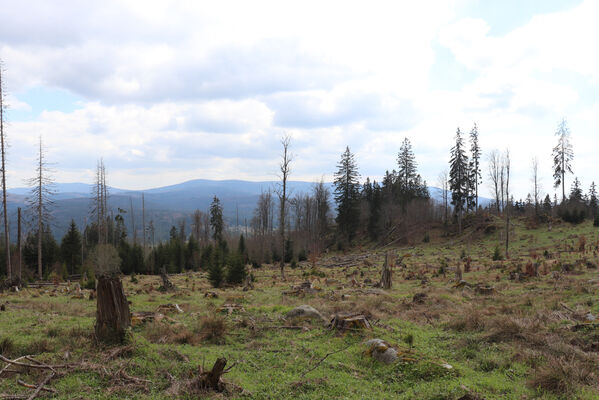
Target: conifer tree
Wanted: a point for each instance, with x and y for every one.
(475, 176)
(458, 177)
(593, 202)
(562, 157)
(70, 248)
(406, 174)
(347, 191)
(216, 220)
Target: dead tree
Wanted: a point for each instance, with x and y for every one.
(386, 275)
(39, 202)
(285, 168)
(4, 206)
(113, 316)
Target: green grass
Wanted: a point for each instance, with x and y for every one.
(274, 363)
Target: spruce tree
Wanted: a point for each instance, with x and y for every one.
(562, 157)
(216, 220)
(593, 202)
(458, 177)
(406, 174)
(576, 192)
(236, 271)
(347, 192)
(475, 177)
(70, 248)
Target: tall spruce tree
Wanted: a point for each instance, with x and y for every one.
(216, 220)
(458, 177)
(562, 157)
(593, 202)
(347, 192)
(70, 248)
(406, 174)
(475, 176)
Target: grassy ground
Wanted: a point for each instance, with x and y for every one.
(527, 339)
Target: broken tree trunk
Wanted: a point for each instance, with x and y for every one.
(212, 380)
(386, 276)
(112, 311)
(167, 286)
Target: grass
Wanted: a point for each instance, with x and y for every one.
(517, 343)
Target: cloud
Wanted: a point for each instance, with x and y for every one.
(178, 90)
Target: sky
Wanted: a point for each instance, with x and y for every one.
(167, 91)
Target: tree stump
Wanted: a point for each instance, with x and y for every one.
(112, 310)
(386, 275)
(167, 286)
(212, 379)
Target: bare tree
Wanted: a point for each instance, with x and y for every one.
(506, 169)
(40, 200)
(100, 202)
(3, 151)
(536, 185)
(495, 173)
(443, 182)
(143, 223)
(133, 230)
(285, 169)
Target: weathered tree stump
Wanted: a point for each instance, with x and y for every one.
(352, 322)
(167, 286)
(112, 310)
(212, 379)
(386, 275)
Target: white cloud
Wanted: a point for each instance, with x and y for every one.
(179, 90)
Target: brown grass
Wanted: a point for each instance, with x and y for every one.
(561, 376)
(212, 328)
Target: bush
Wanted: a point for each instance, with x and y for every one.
(293, 264)
(497, 256)
(427, 238)
(212, 329)
(236, 272)
(302, 256)
(216, 275)
(596, 221)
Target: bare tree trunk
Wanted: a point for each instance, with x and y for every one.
(507, 208)
(143, 223)
(40, 210)
(133, 230)
(112, 310)
(19, 245)
(386, 275)
(282, 192)
(4, 206)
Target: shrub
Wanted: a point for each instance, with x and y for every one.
(236, 271)
(216, 274)
(302, 256)
(497, 256)
(212, 328)
(596, 221)
(426, 238)
(7, 346)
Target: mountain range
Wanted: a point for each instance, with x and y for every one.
(165, 206)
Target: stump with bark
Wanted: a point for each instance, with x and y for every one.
(113, 317)
(386, 275)
(212, 380)
(167, 285)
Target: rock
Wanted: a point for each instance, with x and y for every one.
(381, 351)
(305, 312)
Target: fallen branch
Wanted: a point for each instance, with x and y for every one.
(30, 386)
(41, 385)
(38, 366)
(324, 358)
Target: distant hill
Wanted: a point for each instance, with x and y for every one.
(167, 205)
